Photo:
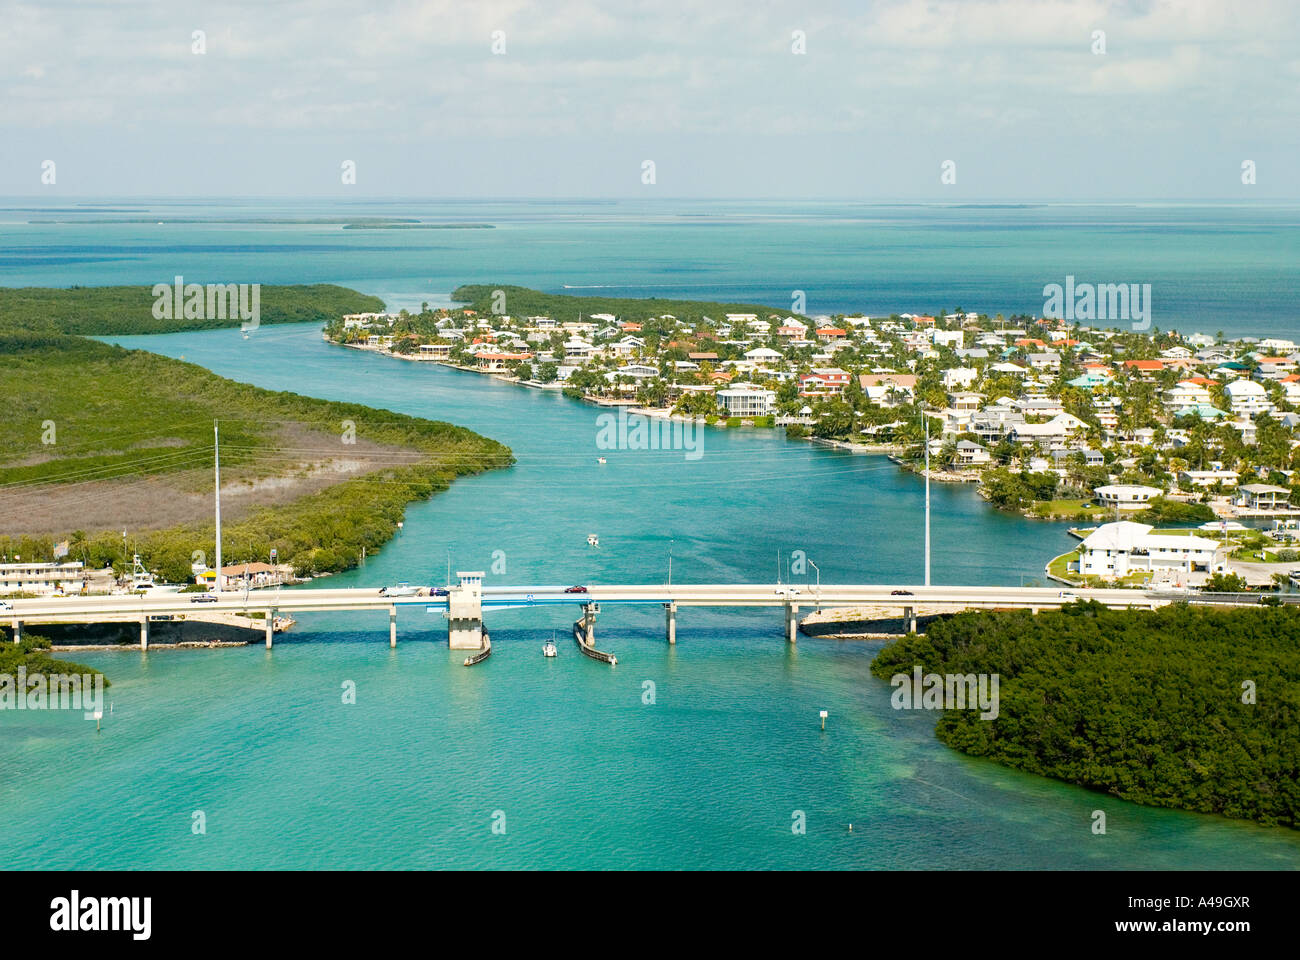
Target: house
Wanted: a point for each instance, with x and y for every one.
(1044, 361)
(41, 577)
(1117, 549)
(746, 400)
(969, 454)
(500, 362)
(1192, 479)
(434, 351)
(825, 382)
(1274, 368)
(959, 377)
(1125, 496)
(1247, 398)
(1263, 496)
(1188, 393)
(888, 389)
(763, 355)
(1144, 368)
(576, 349)
(827, 334)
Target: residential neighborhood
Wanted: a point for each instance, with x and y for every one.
(1056, 420)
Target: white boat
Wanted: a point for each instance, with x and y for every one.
(593, 540)
(600, 460)
(548, 648)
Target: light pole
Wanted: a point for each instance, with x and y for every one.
(927, 496)
(670, 562)
(216, 463)
(819, 583)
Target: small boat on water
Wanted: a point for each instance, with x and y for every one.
(549, 648)
(593, 540)
(600, 460)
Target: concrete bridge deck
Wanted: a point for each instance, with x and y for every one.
(272, 602)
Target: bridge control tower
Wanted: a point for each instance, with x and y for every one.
(465, 612)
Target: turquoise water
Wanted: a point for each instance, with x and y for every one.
(1230, 267)
(583, 771)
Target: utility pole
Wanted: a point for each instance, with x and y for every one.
(216, 462)
(670, 562)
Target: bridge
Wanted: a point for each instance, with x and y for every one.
(464, 604)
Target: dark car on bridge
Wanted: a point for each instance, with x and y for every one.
(901, 593)
(576, 590)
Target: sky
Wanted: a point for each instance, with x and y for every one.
(927, 100)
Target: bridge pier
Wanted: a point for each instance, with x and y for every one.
(464, 613)
(392, 627)
(670, 621)
(909, 614)
(589, 624)
(18, 629)
(270, 628)
(144, 633)
(791, 621)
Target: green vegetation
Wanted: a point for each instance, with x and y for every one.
(32, 652)
(87, 420)
(1145, 706)
(101, 311)
(1163, 511)
(524, 302)
(1225, 583)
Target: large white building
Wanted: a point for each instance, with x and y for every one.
(1125, 496)
(1117, 549)
(41, 577)
(747, 400)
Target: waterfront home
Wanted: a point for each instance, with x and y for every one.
(1117, 549)
(746, 400)
(1192, 479)
(948, 338)
(1263, 496)
(1125, 496)
(499, 362)
(1247, 398)
(434, 351)
(970, 455)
